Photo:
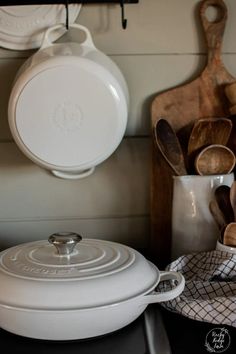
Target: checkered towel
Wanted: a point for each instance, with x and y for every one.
(210, 287)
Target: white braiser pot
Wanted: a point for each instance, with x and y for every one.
(76, 290)
(68, 106)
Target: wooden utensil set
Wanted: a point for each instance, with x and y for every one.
(183, 106)
(207, 151)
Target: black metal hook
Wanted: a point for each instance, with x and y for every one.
(123, 19)
(67, 14)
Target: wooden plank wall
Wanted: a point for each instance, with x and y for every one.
(162, 47)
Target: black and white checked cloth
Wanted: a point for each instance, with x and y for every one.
(210, 287)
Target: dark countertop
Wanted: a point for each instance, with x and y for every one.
(187, 336)
(128, 340)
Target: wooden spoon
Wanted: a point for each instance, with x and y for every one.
(215, 159)
(222, 196)
(168, 143)
(229, 238)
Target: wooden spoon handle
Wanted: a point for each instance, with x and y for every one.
(217, 214)
(222, 195)
(232, 195)
(214, 31)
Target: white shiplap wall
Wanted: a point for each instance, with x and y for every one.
(162, 47)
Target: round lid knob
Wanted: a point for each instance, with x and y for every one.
(64, 242)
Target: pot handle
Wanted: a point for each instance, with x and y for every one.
(47, 42)
(72, 175)
(156, 296)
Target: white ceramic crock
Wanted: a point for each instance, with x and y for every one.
(76, 291)
(68, 106)
(224, 248)
(193, 226)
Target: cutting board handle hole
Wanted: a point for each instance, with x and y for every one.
(214, 14)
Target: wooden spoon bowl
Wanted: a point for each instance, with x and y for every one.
(169, 146)
(215, 159)
(229, 238)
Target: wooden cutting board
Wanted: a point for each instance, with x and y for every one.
(181, 106)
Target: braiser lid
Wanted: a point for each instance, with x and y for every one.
(69, 114)
(70, 275)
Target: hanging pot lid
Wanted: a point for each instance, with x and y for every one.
(22, 27)
(68, 107)
(63, 274)
(69, 115)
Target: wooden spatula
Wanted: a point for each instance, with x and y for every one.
(208, 131)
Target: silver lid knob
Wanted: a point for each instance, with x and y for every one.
(64, 242)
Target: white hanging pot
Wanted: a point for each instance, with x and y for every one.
(63, 290)
(68, 106)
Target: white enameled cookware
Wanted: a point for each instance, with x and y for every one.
(68, 106)
(64, 290)
(22, 27)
